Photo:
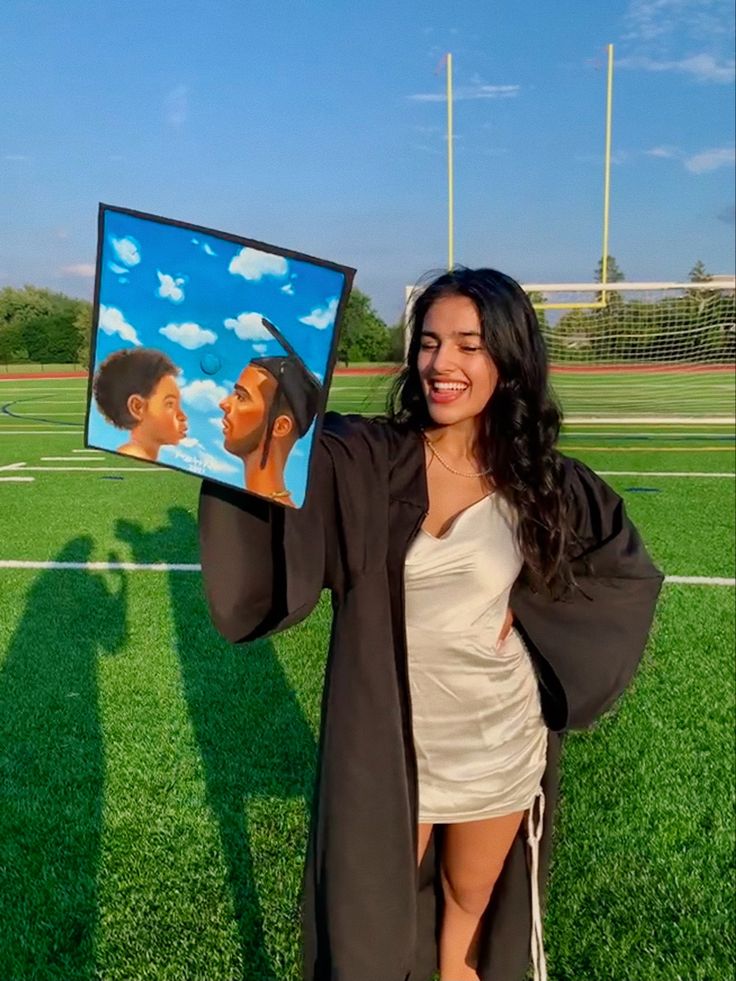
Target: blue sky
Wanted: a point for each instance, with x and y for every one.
(200, 298)
(320, 128)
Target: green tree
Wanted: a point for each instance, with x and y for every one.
(699, 274)
(574, 337)
(40, 326)
(83, 327)
(538, 300)
(396, 342)
(613, 273)
(363, 335)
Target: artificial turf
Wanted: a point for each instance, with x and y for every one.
(155, 780)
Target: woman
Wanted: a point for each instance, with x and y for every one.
(441, 729)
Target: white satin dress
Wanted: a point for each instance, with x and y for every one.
(479, 733)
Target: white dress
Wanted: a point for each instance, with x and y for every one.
(479, 733)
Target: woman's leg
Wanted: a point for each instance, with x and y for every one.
(472, 858)
(425, 831)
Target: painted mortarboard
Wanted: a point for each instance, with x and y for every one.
(296, 386)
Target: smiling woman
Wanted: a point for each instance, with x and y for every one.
(454, 364)
(470, 564)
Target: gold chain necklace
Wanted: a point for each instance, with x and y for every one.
(446, 465)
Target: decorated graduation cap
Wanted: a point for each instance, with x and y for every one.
(297, 388)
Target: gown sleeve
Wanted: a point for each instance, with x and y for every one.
(587, 646)
(264, 565)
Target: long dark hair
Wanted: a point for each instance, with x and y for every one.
(519, 426)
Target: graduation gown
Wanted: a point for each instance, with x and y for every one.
(368, 914)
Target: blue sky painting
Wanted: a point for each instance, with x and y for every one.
(198, 296)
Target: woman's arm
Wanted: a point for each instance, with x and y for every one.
(264, 565)
(589, 645)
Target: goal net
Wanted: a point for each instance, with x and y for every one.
(640, 352)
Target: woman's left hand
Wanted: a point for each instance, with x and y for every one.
(507, 625)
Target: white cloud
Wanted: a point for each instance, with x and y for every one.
(119, 270)
(112, 321)
(127, 250)
(288, 288)
(176, 106)
(208, 249)
(170, 287)
(701, 67)
(322, 317)
(248, 327)
(650, 20)
(708, 160)
(196, 458)
(203, 395)
(260, 348)
(189, 335)
(195, 241)
(254, 264)
(85, 270)
(123, 279)
(665, 152)
(465, 92)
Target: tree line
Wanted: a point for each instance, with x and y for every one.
(38, 326)
(696, 326)
(42, 327)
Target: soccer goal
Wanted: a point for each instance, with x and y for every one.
(640, 352)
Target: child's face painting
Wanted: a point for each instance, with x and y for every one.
(160, 416)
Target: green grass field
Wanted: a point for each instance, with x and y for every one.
(155, 780)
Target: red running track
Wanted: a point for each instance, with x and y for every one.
(562, 369)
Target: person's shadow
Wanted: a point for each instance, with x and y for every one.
(253, 737)
(52, 770)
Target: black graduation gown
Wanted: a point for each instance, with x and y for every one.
(367, 913)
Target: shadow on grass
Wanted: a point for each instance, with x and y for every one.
(253, 737)
(52, 770)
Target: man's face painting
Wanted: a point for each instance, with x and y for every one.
(160, 416)
(246, 411)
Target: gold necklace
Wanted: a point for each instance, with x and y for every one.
(284, 493)
(446, 465)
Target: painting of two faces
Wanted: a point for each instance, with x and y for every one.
(211, 354)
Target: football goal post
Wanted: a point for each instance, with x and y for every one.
(640, 352)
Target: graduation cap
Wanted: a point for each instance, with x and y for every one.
(296, 386)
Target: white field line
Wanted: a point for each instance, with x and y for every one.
(646, 420)
(17, 480)
(44, 402)
(636, 434)
(25, 469)
(39, 432)
(660, 473)
(102, 566)
(65, 412)
(70, 459)
(195, 567)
